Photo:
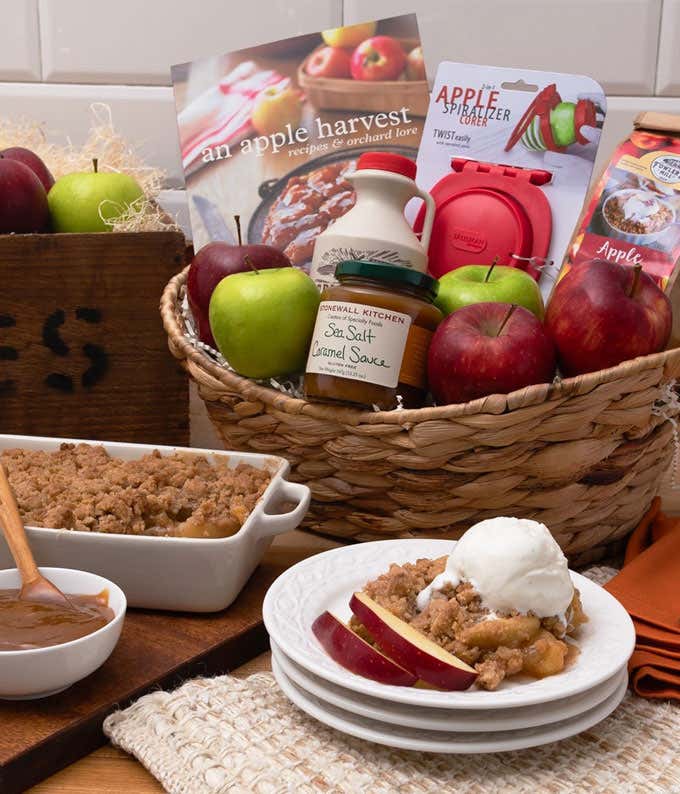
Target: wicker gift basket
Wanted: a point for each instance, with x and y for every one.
(584, 455)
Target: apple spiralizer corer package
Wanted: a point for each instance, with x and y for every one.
(507, 155)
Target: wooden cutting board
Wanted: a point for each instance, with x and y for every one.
(156, 650)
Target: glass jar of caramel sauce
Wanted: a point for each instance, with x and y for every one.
(371, 337)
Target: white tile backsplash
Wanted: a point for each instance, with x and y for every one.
(145, 115)
(613, 41)
(19, 40)
(668, 68)
(136, 41)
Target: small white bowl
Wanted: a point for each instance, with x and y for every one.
(39, 672)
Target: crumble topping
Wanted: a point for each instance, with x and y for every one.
(496, 645)
(81, 487)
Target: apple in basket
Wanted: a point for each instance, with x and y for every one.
(356, 655)
(488, 284)
(218, 260)
(329, 62)
(378, 58)
(409, 648)
(602, 313)
(488, 348)
(263, 320)
(415, 65)
(23, 201)
(348, 35)
(31, 159)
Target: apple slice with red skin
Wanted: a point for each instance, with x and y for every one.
(411, 649)
(356, 655)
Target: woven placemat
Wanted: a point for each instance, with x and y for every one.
(226, 734)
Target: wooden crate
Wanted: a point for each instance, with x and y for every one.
(82, 349)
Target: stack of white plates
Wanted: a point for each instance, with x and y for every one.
(519, 714)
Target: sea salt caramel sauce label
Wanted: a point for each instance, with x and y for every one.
(359, 342)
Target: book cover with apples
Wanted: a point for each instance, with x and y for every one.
(269, 132)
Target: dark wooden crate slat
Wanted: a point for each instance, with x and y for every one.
(143, 395)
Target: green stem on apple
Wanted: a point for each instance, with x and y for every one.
(506, 318)
(237, 221)
(95, 165)
(493, 265)
(637, 269)
(251, 264)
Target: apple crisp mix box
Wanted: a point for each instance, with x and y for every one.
(633, 213)
(529, 136)
(269, 132)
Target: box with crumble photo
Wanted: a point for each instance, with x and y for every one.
(633, 213)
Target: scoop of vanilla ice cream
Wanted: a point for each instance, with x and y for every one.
(513, 563)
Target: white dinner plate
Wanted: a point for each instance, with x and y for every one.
(441, 741)
(327, 581)
(458, 720)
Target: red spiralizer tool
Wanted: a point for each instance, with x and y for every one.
(484, 211)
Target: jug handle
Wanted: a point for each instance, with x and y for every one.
(429, 217)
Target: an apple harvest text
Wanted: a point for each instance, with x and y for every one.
(322, 137)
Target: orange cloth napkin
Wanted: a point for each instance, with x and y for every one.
(648, 586)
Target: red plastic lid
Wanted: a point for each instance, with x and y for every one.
(384, 161)
(484, 211)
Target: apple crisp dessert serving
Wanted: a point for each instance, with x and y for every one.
(81, 487)
(500, 605)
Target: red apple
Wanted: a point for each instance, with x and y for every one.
(602, 313)
(217, 260)
(356, 655)
(378, 58)
(23, 201)
(415, 65)
(488, 348)
(329, 62)
(411, 649)
(29, 158)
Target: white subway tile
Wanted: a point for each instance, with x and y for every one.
(136, 41)
(613, 41)
(668, 69)
(145, 115)
(19, 41)
(621, 111)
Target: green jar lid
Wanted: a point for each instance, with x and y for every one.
(393, 274)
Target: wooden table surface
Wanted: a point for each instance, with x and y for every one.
(111, 771)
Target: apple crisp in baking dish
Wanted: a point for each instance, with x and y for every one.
(495, 645)
(81, 487)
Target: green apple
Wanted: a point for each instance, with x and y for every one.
(263, 320)
(488, 284)
(81, 202)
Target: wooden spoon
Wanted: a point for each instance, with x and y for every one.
(35, 587)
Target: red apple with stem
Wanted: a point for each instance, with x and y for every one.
(378, 58)
(217, 260)
(488, 348)
(31, 159)
(23, 201)
(602, 313)
(329, 62)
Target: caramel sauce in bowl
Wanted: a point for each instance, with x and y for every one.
(44, 649)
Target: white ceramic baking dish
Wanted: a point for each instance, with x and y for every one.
(187, 574)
